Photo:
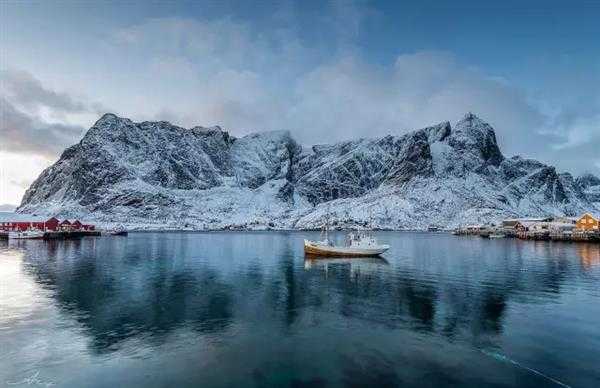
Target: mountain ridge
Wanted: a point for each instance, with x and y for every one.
(156, 173)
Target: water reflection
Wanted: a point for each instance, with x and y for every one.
(589, 254)
(356, 264)
(118, 289)
(260, 288)
(117, 293)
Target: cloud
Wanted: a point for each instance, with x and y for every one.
(231, 73)
(228, 73)
(223, 72)
(35, 119)
(350, 98)
(22, 133)
(23, 89)
(23, 183)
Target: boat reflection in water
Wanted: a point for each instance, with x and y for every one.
(358, 265)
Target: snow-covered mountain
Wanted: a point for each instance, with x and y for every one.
(164, 176)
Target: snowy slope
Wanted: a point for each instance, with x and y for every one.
(158, 175)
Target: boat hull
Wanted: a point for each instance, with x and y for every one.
(313, 248)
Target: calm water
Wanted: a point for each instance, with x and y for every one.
(247, 309)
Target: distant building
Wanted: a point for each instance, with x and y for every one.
(561, 226)
(528, 226)
(587, 222)
(18, 222)
(65, 225)
(10, 221)
(512, 222)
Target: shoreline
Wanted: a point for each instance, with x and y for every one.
(133, 230)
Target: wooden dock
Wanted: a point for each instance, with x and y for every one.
(537, 235)
(65, 235)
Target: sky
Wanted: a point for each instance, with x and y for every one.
(326, 71)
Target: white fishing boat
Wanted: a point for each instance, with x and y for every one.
(118, 231)
(497, 235)
(357, 244)
(26, 234)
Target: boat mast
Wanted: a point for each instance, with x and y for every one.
(370, 229)
(327, 223)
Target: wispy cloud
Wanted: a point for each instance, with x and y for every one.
(23, 183)
(231, 73)
(22, 88)
(33, 118)
(22, 133)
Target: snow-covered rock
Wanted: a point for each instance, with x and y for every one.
(158, 175)
(590, 184)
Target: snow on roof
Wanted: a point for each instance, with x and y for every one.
(19, 217)
(529, 222)
(528, 219)
(560, 225)
(593, 214)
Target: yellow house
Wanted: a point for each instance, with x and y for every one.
(587, 222)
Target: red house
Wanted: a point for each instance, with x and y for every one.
(51, 224)
(18, 222)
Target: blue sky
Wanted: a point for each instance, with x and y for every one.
(326, 71)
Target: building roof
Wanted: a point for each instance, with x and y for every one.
(527, 219)
(527, 223)
(560, 225)
(593, 214)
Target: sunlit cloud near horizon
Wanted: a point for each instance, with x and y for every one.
(326, 73)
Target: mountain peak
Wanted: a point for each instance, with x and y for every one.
(107, 118)
(473, 133)
(470, 119)
(588, 179)
(162, 174)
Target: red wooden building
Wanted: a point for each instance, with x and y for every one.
(15, 222)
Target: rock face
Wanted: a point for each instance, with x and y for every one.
(163, 176)
(590, 184)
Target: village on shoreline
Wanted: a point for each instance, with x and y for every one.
(42, 227)
(557, 228)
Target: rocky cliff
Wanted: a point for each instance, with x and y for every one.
(163, 176)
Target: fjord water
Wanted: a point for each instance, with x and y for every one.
(248, 309)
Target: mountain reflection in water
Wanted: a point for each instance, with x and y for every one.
(224, 309)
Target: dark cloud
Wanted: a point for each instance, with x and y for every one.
(23, 89)
(23, 133)
(26, 106)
